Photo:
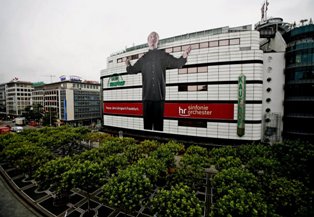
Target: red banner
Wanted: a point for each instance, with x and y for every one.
(223, 111)
(199, 110)
(129, 108)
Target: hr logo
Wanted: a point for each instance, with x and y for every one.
(183, 112)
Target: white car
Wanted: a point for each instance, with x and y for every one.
(17, 129)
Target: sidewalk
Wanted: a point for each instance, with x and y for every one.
(10, 205)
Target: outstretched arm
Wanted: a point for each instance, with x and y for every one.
(136, 68)
(186, 52)
(173, 62)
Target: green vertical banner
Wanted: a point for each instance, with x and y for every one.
(241, 105)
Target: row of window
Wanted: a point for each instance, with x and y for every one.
(88, 86)
(88, 110)
(207, 44)
(19, 94)
(87, 116)
(54, 92)
(87, 103)
(19, 90)
(51, 103)
(299, 90)
(185, 87)
(301, 44)
(304, 57)
(23, 98)
(192, 70)
(300, 74)
(192, 123)
(85, 98)
(51, 98)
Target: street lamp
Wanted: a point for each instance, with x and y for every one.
(210, 173)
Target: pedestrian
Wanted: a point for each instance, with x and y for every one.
(152, 65)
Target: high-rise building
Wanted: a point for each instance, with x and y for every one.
(2, 100)
(299, 83)
(15, 96)
(72, 101)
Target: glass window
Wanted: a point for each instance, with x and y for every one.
(204, 45)
(135, 56)
(119, 60)
(202, 69)
(224, 42)
(195, 46)
(202, 88)
(192, 70)
(183, 71)
(213, 44)
(182, 87)
(168, 50)
(184, 47)
(298, 75)
(298, 58)
(192, 88)
(234, 41)
(177, 49)
(192, 123)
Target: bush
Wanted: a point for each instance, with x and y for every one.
(234, 178)
(225, 151)
(50, 174)
(250, 151)
(226, 162)
(197, 150)
(179, 201)
(286, 196)
(127, 189)
(241, 203)
(296, 160)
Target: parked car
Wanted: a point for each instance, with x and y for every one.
(17, 129)
(4, 129)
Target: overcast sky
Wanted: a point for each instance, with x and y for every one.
(40, 40)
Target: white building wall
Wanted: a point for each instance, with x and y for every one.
(248, 49)
(70, 104)
(273, 93)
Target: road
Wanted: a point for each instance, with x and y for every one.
(10, 206)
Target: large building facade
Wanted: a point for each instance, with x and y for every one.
(299, 83)
(72, 102)
(203, 97)
(15, 96)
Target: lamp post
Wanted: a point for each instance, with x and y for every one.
(210, 173)
(50, 115)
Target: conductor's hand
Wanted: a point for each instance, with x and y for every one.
(127, 62)
(186, 52)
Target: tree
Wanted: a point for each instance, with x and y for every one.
(50, 174)
(85, 175)
(177, 202)
(241, 203)
(27, 157)
(34, 112)
(49, 118)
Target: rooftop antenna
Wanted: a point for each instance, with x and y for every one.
(303, 21)
(51, 76)
(264, 10)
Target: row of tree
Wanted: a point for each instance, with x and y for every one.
(252, 179)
